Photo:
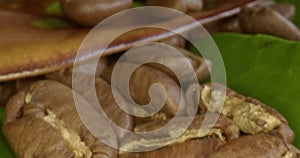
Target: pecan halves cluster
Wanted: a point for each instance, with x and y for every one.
(41, 119)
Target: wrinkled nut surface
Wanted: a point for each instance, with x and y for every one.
(192, 143)
(91, 12)
(104, 94)
(227, 127)
(258, 146)
(46, 124)
(250, 115)
(198, 148)
(266, 20)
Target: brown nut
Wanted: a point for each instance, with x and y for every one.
(226, 125)
(105, 98)
(285, 9)
(266, 20)
(250, 115)
(140, 81)
(91, 12)
(258, 146)
(201, 66)
(181, 5)
(224, 130)
(46, 123)
(106, 67)
(199, 148)
(230, 24)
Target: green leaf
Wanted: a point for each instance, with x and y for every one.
(49, 23)
(4, 147)
(296, 3)
(265, 68)
(54, 9)
(137, 4)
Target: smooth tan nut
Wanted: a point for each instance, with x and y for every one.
(267, 21)
(181, 5)
(91, 12)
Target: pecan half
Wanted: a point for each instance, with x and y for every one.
(46, 124)
(250, 115)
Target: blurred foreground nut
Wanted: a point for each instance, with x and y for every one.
(43, 122)
(267, 21)
(180, 5)
(91, 12)
(258, 146)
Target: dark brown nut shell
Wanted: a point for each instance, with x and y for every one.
(26, 82)
(106, 66)
(180, 5)
(91, 12)
(258, 146)
(266, 20)
(7, 89)
(282, 130)
(198, 148)
(25, 119)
